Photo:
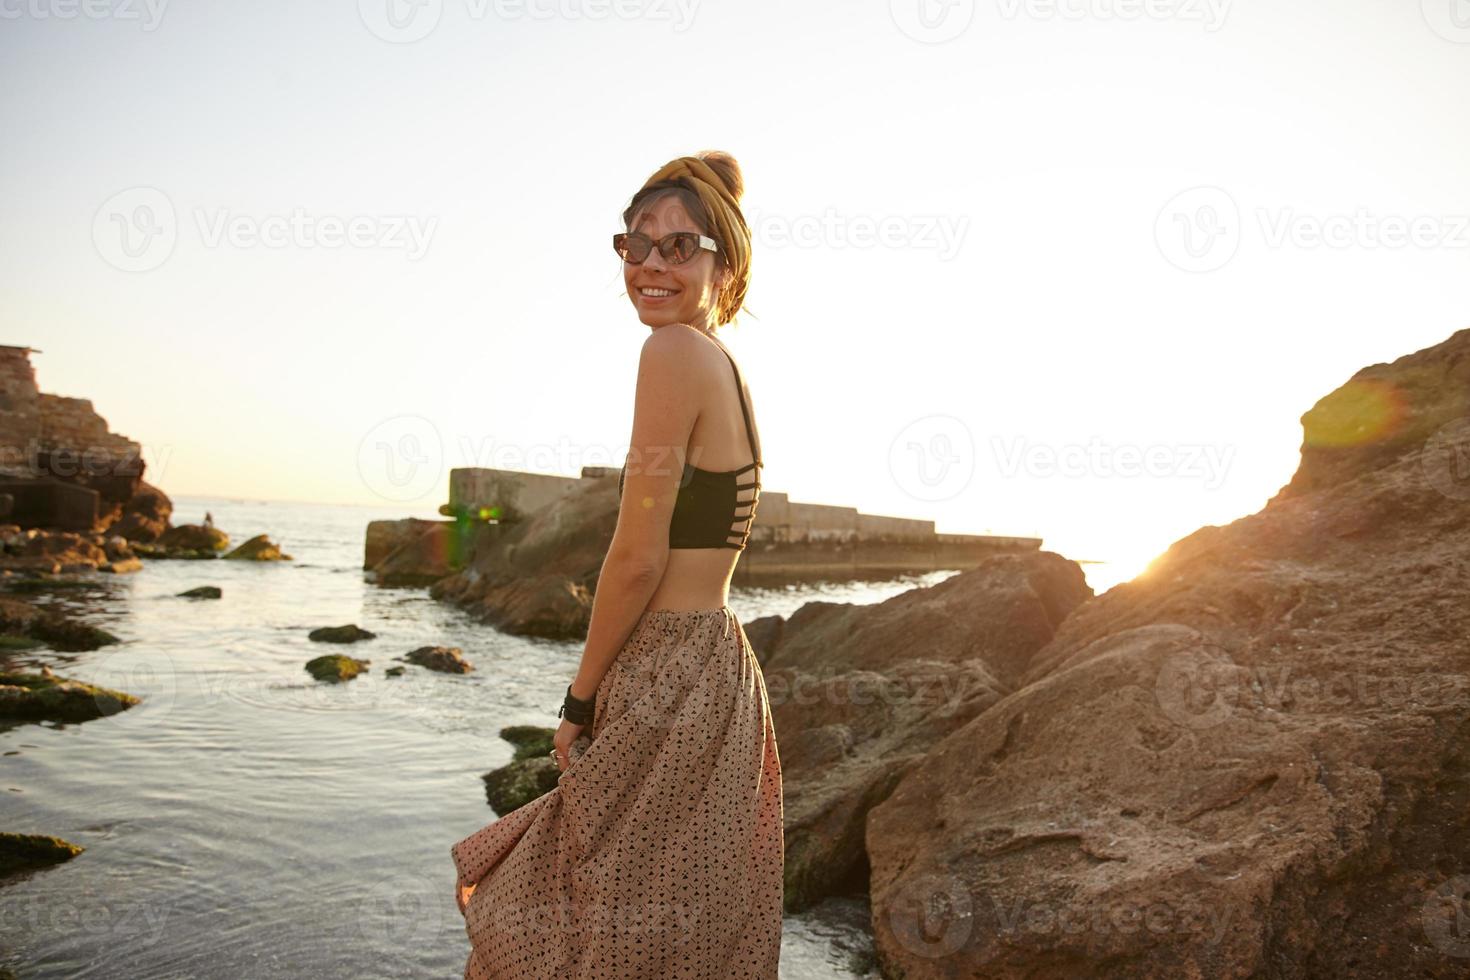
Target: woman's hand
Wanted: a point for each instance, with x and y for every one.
(565, 735)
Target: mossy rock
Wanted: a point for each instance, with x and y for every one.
(203, 592)
(336, 667)
(530, 774)
(11, 642)
(350, 633)
(258, 548)
(56, 584)
(19, 617)
(48, 697)
(21, 852)
(511, 787)
(187, 539)
(69, 635)
(531, 741)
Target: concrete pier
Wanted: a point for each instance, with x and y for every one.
(790, 540)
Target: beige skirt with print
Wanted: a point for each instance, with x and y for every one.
(659, 854)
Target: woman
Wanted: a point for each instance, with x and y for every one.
(659, 854)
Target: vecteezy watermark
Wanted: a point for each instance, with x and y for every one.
(406, 908)
(937, 21)
(937, 694)
(1450, 19)
(932, 458)
(934, 914)
(1362, 229)
(1446, 459)
(401, 458)
(148, 13)
(1203, 461)
(592, 920)
(1210, 13)
(931, 915)
(299, 229)
(406, 21)
(932, 21)
(137, 229)
(1200, 230)
(1200, 692)
(43, 459)
(1111, 916)
(941, 233)
(124, 926)
(1446, 916)
(147, 674)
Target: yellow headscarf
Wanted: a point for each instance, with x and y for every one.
(730, 231)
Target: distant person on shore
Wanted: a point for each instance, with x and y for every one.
(660, 850)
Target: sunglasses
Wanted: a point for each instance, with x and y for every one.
(676, 249)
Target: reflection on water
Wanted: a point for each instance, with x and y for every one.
(245, 821)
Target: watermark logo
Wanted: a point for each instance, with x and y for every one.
(1446, 459)
(400, 21)
(1450, 19)
(1194, 691)
(148, 674)
(1098, 459)
(941, 233)
(932, 458)
(1199, 229)
(1446, 916)
(407, 909)
(136, 230)
(406, 21)
(1362, 229)
(148, 13)
(404, 232)
(931, 915)
(932, 21)
(401, 458)
(1210, 13)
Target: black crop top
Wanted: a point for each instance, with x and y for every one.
(708, 510)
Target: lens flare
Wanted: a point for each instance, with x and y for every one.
(1357, 414)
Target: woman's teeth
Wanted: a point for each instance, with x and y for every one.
(657, 292)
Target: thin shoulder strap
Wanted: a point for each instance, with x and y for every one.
(740, 390)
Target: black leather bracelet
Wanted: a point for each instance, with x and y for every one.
(577, 711)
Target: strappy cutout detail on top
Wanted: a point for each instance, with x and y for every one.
(715, 509)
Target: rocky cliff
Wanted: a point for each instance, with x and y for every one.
(1251, 761)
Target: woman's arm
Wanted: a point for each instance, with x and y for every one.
(664, 411)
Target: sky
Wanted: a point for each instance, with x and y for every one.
(1071, 269)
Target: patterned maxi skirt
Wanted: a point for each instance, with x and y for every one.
(659, 853)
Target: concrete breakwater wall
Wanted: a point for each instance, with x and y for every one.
(788, 539)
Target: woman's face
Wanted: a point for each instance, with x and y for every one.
(694, 285)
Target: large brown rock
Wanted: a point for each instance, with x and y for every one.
(536, 577)
(145, 516)
(860, 694)
(421, 552)
(1252, 760)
